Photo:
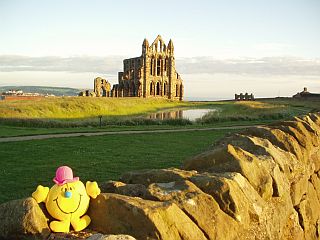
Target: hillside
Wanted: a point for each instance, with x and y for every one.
(57, 91)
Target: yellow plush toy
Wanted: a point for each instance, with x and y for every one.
(67, 201)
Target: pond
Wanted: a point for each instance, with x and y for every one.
(190, 114)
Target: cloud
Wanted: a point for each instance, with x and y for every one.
(255, 66)
(196, 65)
(78, 64)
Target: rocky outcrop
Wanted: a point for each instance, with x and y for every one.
(100, 236)
(266, 178)
(143, 219)
(22, 218)
(146, 177)
(261, 183)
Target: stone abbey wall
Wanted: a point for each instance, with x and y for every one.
(102, 88)
(153, 74)
(261, 183)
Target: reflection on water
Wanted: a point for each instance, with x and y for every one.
(191, 114)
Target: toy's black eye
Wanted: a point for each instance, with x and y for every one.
(70, 188)
(65, 189)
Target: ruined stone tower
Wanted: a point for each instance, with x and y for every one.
(153, 74)
(101, 87)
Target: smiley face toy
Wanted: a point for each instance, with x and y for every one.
(67, 201)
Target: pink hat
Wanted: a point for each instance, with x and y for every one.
(64, 175)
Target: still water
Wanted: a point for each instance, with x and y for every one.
(191, 114)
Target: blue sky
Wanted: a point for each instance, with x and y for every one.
(267, 47)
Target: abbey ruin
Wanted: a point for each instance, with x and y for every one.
(153, 74)
(102, 88)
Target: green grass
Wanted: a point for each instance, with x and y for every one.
(12, 131)
(62, 112)
(82, 107)
(263, 110)
(88, 109)
(26, 164)
(228, 113)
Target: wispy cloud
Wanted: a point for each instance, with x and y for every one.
(78, 64)
(196, 65)
(256, 66)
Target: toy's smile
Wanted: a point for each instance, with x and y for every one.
(56, 200)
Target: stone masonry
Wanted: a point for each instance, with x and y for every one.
(102, 87)
(153, 74)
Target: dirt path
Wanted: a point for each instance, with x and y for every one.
(89, 134)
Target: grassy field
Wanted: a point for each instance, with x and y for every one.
(31, 118)
(83, 107)
(12, 131)
(26, 164)
(65, 112)
(263, 110)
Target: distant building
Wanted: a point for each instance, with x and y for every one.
(13, 92)
(153, 74)
(102, 88)
(20, 95)
(244, 97)
(306, 94)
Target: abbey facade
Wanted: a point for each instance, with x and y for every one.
(153, 74)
